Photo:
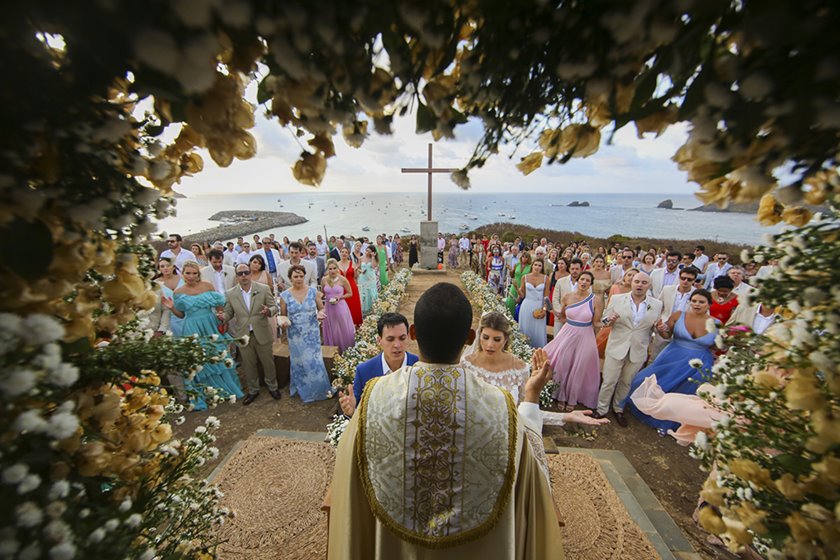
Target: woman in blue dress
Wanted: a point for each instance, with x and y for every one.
(196, 302)
(691, 340)
(302, 305)
(533, 290)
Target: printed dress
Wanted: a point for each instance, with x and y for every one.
(367, 286)
(200, 319)
(308, 374)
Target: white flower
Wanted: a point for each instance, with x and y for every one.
(214, 452)
(17, 382)
(8, 547)
(62, 425)
(28, 514)
(180, 420)
(15, 474)
(245, 339)
(40, 329)
(63, 551)
(10, 323)
(701, 440)
(125, 505)
(30, 421)
(148, 554)
(134, 520)
(64, 375)
(214, 337)
(97, 535)
(212, 422)
(57, 530)
(29, 483)
(200, 429)
(111, 524)
(695, 363)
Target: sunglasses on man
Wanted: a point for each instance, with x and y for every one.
(244, 273)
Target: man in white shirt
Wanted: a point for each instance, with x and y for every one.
(296, 251)
(245, 254)
(741, 288)
(217, 273)
(667, 276)
(229, 254)
(321, 250)
(463, 251)
(441, 244)
(633, 317)
(271, 257)
(700, 258)
(756, 316)
(177, 254)
(674, 298)
(625, 263)
(718, 268)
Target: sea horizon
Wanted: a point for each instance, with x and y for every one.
(627, 214)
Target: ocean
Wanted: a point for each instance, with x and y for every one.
(608, 214)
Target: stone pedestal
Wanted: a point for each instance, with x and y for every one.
(428, 245)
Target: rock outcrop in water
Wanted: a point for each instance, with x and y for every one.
(576, 204)
(668, 204)
(238, 223)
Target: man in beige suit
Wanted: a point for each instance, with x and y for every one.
(754, 315)
(251, 304)
(633, 317)
(566, 285)
(220, 275)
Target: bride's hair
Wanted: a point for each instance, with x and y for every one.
(496, 321)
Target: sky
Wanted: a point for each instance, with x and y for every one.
(627, 165)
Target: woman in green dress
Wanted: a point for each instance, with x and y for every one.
(522, 268)
(382, 254)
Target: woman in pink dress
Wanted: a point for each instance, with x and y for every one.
(573, 353)
(338, 324)
(346, 268)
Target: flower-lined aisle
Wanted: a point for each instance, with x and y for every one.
(485, 300)
(365, 347)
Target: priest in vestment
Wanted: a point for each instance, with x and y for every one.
(437, 464)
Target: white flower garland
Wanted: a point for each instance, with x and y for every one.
(365, 347)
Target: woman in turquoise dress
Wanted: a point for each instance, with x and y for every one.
(196, 303)
(673, 374)
(302, 305)
(368, 273)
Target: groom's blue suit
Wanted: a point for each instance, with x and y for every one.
(370, 369)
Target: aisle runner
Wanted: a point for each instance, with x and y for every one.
(276, 487)
(598, 526)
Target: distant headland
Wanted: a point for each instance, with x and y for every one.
(237, 223)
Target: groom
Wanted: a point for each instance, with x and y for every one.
(436, 463)
(392, 337)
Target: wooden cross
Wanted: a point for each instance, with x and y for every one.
(429, 170)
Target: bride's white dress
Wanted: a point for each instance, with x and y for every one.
(513, 381)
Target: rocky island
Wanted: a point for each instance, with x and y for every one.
(577, 204)
(236, 223)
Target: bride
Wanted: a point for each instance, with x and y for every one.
(491, 362)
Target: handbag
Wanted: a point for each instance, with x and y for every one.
(539, 313)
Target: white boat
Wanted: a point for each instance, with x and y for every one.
(405, 230)
(463, 227)
(512, 217)
(501, 213)
(365, 228)
(473, 217)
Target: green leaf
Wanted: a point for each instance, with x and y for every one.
(29, 260)
(426, 121)
(263, 95)
(793, 464)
